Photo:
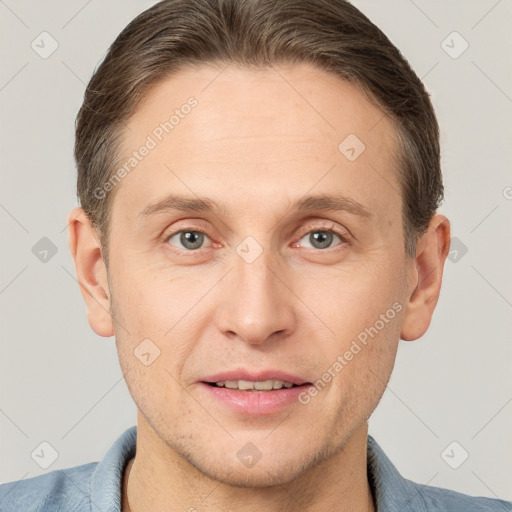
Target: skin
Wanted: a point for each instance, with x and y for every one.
(254, 144)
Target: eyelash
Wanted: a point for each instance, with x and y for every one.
(343, 237)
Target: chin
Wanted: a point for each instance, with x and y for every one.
(257, 478)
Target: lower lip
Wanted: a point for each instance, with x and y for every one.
(255, 403)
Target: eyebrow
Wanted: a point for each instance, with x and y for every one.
(325, 202)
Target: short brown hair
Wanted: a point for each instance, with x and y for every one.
(331, 34)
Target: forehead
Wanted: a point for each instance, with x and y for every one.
(275, 97)
(282, 128)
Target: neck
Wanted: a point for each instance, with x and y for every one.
(159, 479)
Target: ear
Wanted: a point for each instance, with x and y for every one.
(425, 276)
(91, 271)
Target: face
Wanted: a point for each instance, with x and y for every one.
(257, 284)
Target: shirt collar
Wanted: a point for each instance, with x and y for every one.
(107, 478)
(390, 490)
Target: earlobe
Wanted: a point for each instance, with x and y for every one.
(426, 278)
(86, 251)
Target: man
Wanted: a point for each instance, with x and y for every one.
(258, 184)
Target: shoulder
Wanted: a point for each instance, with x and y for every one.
(59, 490)
(395, 493)
(446, 500)
(75, 489)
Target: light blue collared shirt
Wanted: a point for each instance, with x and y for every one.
(96, 487)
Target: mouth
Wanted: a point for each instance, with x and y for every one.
(254, 398)
(247, 385)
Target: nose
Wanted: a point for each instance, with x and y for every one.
(257, 303)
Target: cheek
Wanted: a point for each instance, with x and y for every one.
(153, 300)
(352, 297)
(362, 366)
(363, 307)
(161, 317)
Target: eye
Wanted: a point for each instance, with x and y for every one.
(189, 239)
(323, 238)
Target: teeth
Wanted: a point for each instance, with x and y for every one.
(265, 385)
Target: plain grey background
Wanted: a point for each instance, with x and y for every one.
(61, 383)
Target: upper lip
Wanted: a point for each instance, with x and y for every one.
(255, 376)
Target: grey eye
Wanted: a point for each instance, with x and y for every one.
(321, 239)
(189, 239)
